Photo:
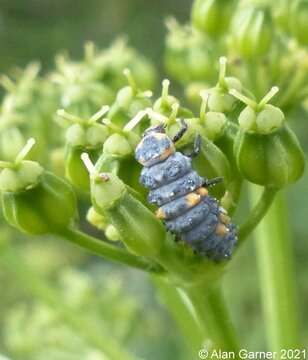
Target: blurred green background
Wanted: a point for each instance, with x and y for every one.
(118, 301)
(37, 30)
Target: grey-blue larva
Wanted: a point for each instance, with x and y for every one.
(181, 194)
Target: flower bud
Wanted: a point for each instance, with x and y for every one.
(98, 220)
(267, 152)
(252, 30)
(112, 233)
(74, 168)
(129, 101)
(101, 222)
(212, 16)
(299, 21)
(84, 134)
(214, 122)
(270, 159)
(188, 54)
(33, 200)
(139, 229)
(117, 156)
(219, 99)
(168, 105)
(117, 144)
(212, 163)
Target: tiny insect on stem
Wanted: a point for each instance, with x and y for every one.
(94, 174)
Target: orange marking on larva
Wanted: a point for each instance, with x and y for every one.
(143, 162)
(224, 218)
(221, 229)
(202, 191)
(160, 214)
(166, 153)
(193, 199)
(159, 135)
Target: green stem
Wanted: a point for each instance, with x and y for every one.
(38, 287)
(277, 281)
(257, 213)
(108, 251)
(214, 318)
(182, 312)
(198, 296)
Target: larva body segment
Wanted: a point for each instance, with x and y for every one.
(187, 210)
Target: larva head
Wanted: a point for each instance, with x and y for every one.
(155, 146)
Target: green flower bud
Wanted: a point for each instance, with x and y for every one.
(215, 124)
(139, 229)
(221, 131)
(188, 54)
(112, 233)
(212, 16)
(298, 21)
(98, 220)
(101, 222)
(33, 200)
(84, 134)
(117, 144)
(267, 152)
(252, 30)
(118, 156)
(129, 101)
(212, 163)
(79, 86)
(219, 99)
(21, 174)
(164, 103)
(75, 170)
(167, 106)
(262, 117)
(269, 159)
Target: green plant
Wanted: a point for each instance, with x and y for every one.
(251, 147)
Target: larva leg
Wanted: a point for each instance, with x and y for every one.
(197, 147)
(181, 132)
(213, 181)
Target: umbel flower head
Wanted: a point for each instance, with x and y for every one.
(34, 200)
(266, 150)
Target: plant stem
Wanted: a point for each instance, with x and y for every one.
(212, 313)
(277, 277)
(257, 213)
(108, 251)
(199, 301)
(182, 312)
(38, 287)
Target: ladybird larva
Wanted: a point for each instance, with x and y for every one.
(184, 205)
